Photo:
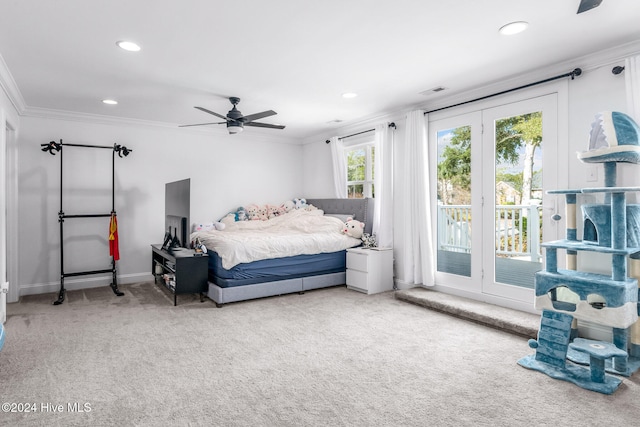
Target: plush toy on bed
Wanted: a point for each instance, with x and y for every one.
(288, 206)
(300, 203)
(274, 211)
(263, 213)
(241, 214)
(209, 226)
(253, 213)
(353, 228)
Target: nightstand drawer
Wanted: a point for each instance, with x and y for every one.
(357, 261)
(357, 279)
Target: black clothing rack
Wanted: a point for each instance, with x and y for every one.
(53, 147)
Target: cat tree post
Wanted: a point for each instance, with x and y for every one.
(572, 234)
(634, 331)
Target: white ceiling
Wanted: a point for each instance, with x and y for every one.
(293, 56)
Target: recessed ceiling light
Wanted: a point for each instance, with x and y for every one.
(349, 95)
(130, 46)
(513, 28)
(110, 101)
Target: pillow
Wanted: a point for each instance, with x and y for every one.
(341, 217)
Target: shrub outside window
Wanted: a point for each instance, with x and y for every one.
(360, 173)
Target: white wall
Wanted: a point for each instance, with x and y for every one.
(226, 171)
(317, 169)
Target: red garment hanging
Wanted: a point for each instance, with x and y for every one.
(114, 251)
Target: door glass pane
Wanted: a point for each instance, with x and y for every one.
(454, 201)
(518, 198)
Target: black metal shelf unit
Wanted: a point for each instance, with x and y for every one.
(53, 148)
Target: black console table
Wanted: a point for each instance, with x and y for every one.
(185, 270)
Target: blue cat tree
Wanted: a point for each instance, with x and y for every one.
(565, 296)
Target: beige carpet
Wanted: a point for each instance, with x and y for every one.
(330, 357)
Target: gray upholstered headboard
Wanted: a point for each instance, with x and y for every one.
(360, 209)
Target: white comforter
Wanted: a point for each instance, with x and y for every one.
(298, 232)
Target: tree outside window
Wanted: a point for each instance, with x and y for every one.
(360, 173)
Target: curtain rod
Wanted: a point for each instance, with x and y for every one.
(391, 125)
(575, 73)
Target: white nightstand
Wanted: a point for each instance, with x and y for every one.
(370, 270)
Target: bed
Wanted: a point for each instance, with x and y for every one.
(288, 261)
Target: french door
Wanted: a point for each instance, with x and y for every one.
(493, 168)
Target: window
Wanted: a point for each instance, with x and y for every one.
(360, 160)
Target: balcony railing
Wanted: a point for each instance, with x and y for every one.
(517, 230)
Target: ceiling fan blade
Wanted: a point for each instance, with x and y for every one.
(588, 5)
(258, 116)
(201, 124)
(264, 125)
(211, 112)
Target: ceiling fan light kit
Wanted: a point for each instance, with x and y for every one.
(234, 128)
(235, 121)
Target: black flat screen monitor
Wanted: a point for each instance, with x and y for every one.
(177, 203)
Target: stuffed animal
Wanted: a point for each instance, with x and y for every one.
(253, 213)
(263, 213)
(241, 214)
(209, 226)
(369, 241)
(300, 203)
(288, 206)
(353, 228)
(273, 211)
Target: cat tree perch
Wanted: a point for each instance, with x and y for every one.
(564, 296)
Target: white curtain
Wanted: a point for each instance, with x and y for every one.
(339, 168)
(632, 81)
(418, 264)
(383, 181)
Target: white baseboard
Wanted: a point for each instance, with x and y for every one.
(82, 283)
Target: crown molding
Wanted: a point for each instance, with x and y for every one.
(10, 87)
(74, 116)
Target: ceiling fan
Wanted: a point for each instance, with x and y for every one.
(236, 121)
(588, 5)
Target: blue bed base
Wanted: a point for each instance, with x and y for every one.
(275, 269)
(274, 276)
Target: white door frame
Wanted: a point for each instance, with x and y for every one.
(561, 89)
(547, 104)
(474, 120)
